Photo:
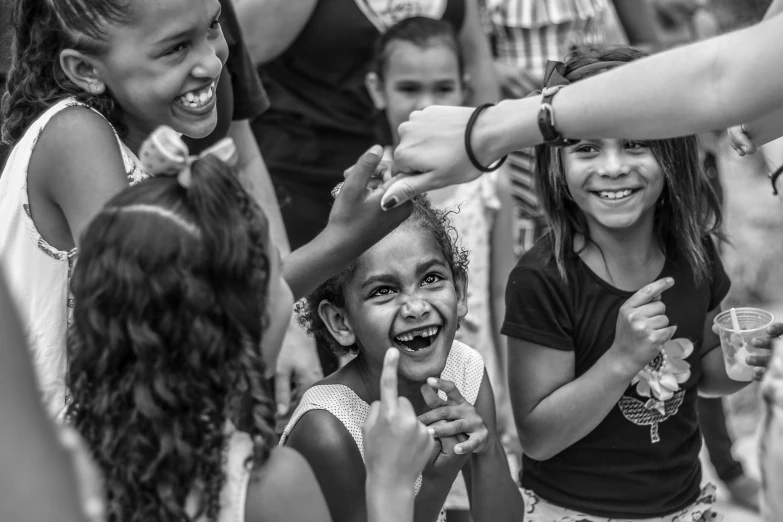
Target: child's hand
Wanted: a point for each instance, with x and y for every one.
(462, 418)
(760, 361)
(740, 141)
(396, 445)
(642, 325)
(356, 217)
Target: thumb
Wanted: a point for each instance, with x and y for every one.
(405, 187)
(357, 177)
(431, 396)
(282, 393)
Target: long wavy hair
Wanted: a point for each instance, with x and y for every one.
(170, 299)
(36, 81)
(687, 211)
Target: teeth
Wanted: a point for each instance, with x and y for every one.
(424, 332)
(615, 195)
(199, 98)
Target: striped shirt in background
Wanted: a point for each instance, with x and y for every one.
(525, 34)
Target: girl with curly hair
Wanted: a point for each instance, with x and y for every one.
(180, 312)
(408, 291)
(608, 319)
(90, 79)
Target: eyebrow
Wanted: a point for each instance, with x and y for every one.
(185, 33)
(388, 278)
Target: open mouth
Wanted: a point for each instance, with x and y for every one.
(418, 339)
(615, 195)
(198, 98)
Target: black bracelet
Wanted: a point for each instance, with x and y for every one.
(469, 149)
(773, 178)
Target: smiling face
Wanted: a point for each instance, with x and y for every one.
(615, 183)
(414, 78)
(403, 294)
(162, 66)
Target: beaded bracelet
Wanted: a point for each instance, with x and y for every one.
(469, 149)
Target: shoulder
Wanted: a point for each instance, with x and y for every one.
(285, 488)
(321, 434)
(536, 271)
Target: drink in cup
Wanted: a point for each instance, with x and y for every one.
(736, 335)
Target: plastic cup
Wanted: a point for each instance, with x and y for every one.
(736, 348)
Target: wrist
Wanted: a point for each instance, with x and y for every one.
(622, 366)
(387, 497)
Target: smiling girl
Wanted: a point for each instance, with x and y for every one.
(408, 291)
(608, 323)
(90, 80)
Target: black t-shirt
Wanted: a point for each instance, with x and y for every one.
(240, 93)
(636, 463)
(5, 39)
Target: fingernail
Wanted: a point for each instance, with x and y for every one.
(282, 409)
(670, 280)
(432, 381)
(376, 150)
(458, 450)
(745, 150)
(431, 431)
(389, 203)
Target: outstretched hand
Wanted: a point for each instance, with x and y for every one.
(396, 445)
(431, 154)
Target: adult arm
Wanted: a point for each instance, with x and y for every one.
(712, 84)
(492, 491)
(255, 178)
(76, 167)
(36, 475)
(478, 58)
(271, 26)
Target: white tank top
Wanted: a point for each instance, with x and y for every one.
(464, 367)
(37, 273)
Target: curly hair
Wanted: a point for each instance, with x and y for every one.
(688, 209)
(170, 299)
(36, 81)
(424, 216)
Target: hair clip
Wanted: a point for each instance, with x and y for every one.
(164, 153)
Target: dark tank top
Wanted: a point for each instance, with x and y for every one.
(321, 117)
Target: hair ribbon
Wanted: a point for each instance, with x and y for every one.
(164, 153)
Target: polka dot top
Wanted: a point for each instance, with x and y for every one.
(464, 367)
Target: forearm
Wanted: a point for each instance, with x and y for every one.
(493, 493)
(388, 502)
(714, 381)
(432, 496)
(646, 99)
(575, 409)
(767, 128)
(478, 58)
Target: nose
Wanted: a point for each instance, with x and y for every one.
(425, 100)
(615, 164)
(415, 308)
(212, 55)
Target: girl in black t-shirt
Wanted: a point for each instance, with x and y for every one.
(608, 319)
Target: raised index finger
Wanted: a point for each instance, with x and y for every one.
(650, 292)
(389, 381)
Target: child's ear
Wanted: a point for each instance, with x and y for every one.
(374, 86)
(461, 286)
(337, 323)
(82, 71)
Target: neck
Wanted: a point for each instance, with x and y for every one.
(135, 136)
(371, 377)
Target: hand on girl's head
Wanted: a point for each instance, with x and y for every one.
(396, 445)
(461, 418)
(740, 141)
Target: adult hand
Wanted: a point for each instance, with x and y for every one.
(740, 141)
(516, 82)
(431, 154)
(760, 361)
(396, 445)
(298, 367)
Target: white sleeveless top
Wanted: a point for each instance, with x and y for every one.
(464, 367)
(37, 273)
